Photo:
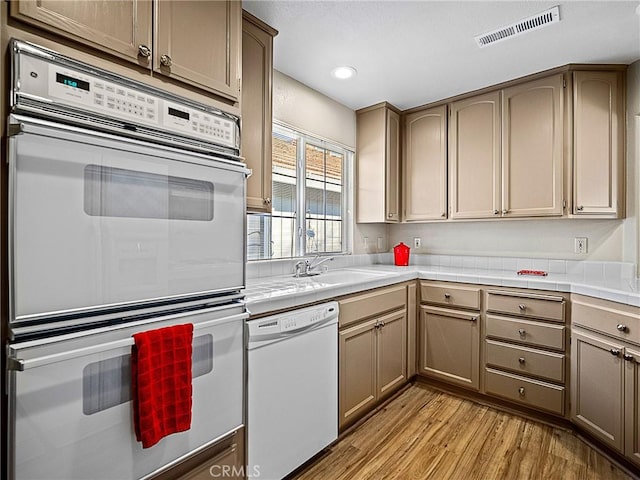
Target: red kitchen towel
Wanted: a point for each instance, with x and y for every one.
(161, 382)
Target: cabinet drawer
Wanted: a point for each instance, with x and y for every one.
(359, 307)
(529, 392)
(608, 318)
(526, 361)
(539, 306)
(526, 331)
(452, 295)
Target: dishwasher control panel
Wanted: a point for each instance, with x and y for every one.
(291, 321)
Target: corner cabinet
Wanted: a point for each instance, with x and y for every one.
(424, 176)
(257, 119)
(194, 42)
(378, 164)
(598, 144)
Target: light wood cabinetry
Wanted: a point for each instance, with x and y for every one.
(598, 143)
(524, 349)
(372, 350)
(532, 148)
(378, 164)
(449, 330)
(424, 177)
(412, 326)
(605, 373)
(257, 119)
(474, 157)
(194, 42)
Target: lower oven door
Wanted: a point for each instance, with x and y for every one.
(99, 221)
(70, 412)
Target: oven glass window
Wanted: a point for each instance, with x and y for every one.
(107, 383)
(118, 192)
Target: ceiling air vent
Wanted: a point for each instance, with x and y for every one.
(518, 28)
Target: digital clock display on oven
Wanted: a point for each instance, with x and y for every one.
(72, 82)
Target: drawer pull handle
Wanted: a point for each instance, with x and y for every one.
(628, 357)
(382, 324)
(521, 391)
(521, 360)
(447, 296)
(615, 352)
(522, 307)
(474, 319)
(622, 327)
(522, 332)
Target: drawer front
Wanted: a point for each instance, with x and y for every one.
(606, 318)
(451, 295)
(359, 307)
(532, 393)
(526, 331)
(542, 306)
(526, 361)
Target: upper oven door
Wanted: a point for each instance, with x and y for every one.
(97, 221)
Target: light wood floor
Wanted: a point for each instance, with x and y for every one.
(425, 433)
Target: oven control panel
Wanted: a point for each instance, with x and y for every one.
(58, 84)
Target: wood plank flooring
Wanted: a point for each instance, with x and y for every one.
(427, 434)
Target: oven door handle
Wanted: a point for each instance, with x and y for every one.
(20, 365)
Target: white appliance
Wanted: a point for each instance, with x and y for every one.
(126, 214)
(292, 396)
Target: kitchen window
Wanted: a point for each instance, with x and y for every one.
(311, 192)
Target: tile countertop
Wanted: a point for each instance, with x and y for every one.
(267, 294)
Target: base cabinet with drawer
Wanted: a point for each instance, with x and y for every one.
(372, 349)
(605, 373)
(450, 333)
(524, 349)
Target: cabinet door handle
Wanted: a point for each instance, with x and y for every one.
(267, 201)
(580, 208)
(382, 324)
(522, 307)
(521, 361)
(522, 332)
(521, 391)
(144, 51)
(447, 296)
(165, 60)
(504, 212)
(615, 352)
(628, 357)
(474, 319)
(443, 215)
(622, 327)
(496, 212)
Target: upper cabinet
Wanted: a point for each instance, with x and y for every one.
(598, 144)
(424, 178)
(194, 42)
(532, 148)
(474, 157)
(257, 88)
(198, 43)
(378, 164)
(119, 28)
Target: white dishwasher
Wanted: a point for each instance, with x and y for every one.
(292, 397)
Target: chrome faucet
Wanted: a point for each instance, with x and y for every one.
(309, 265)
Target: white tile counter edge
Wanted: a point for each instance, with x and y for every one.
(266, 294)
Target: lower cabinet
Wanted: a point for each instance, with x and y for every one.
(372, 362)
(450, 346)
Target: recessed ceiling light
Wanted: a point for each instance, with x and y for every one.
(344, 72)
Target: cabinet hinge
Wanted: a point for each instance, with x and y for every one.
(239, 85)
(564, 204)
(564, 82)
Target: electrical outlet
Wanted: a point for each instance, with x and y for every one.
(580, 245)
(417, 242)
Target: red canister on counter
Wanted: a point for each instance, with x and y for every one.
(401, 254)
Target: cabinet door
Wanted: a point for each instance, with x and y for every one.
(632, 405)
(597, 383)
(598, 123)
(412, 326)
(198, 43)
(118, 28)
(474, 157)
(358, 378)
(532, 148)
(425, 165)
(257, 120)
(393, 167)
(450, 346)
(392, 352)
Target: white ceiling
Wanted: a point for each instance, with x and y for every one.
(412, 53)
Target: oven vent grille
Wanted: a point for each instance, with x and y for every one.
(518, 28)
